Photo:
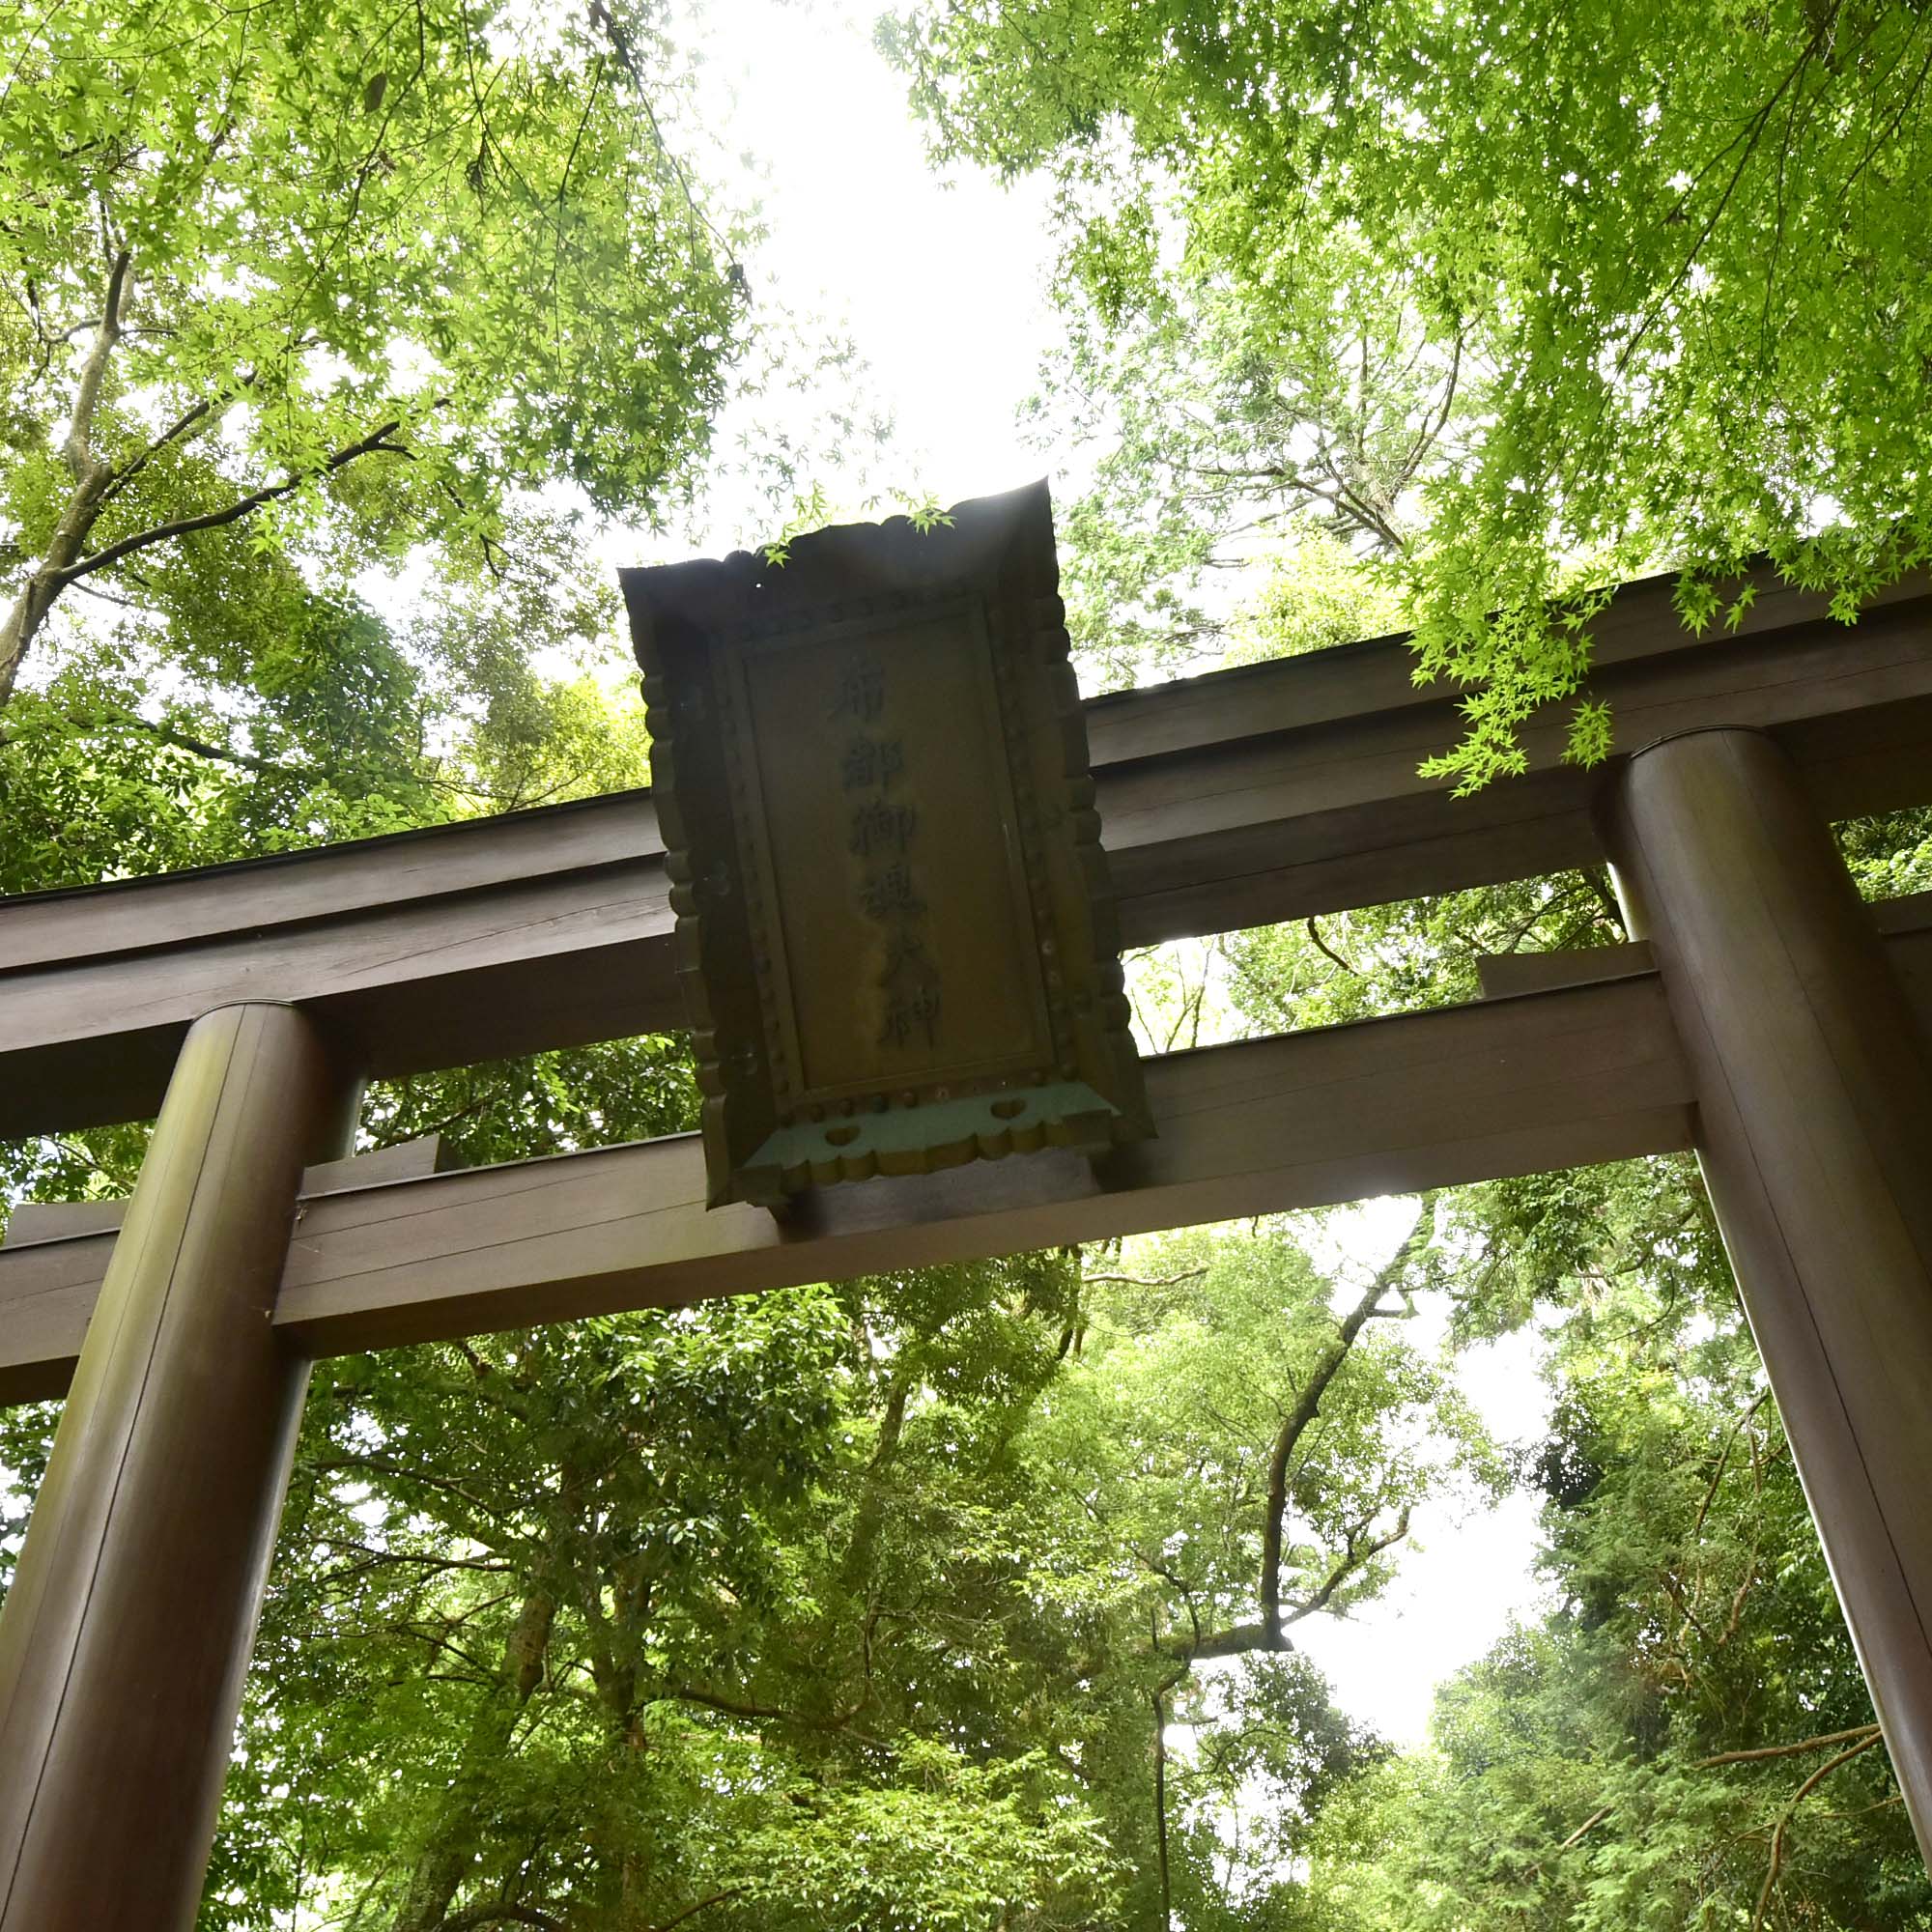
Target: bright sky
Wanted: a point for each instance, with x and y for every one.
(939, 287)
(1470, 1568)
(937, 284)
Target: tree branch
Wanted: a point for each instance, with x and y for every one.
(730, 1707)
(1302, 1415)
(1584, 1830)
(1321, 945)
(177, 429)
(1864, 1732)
(1158, 1698)
(692, 1911)
(209, 520)
(505, 1915)
(77, 450)
(36, 597)
(1355, 1557)
(1723, 1462)
(1783, 1824)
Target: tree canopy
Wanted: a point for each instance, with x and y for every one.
(352, 274)
(1679, 250)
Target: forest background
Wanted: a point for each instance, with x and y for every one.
(343, 343)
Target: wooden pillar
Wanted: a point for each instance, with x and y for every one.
(1815, 1109)
(129, 1628)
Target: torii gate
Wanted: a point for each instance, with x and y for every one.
(1769, 1019)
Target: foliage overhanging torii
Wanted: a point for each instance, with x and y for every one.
(1675, 254)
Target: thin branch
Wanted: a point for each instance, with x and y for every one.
(1868, 1733)
(1144, 1281)
(503, 1915)
(177, 429)
(601, 21)
(202, 749)
(731, 1707)
(1783, 1824)
(110, 597)
(1723, 1462)
(436, 1563)
(209, 520)
(1584, 1830)
(1323, 946)
(1749, 136)
(1354, 1557)
(692, 1911)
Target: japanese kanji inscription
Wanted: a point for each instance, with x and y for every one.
(894, 933)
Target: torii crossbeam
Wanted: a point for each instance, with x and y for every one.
(1771, 1021)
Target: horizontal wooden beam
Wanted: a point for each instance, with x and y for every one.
(1584, 1067)
(1907, 919)
(1331, 815)
(1504, 975)
(1418, 1100)
(61, 1220)
(1230, 800)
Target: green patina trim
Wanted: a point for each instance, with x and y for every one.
(940, 1133)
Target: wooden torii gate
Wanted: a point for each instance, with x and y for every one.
(1768, 1020)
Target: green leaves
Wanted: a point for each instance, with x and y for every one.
(1679, 254)
(369, 296)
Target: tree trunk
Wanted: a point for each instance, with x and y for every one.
(446, 1860)
(871, 1516)
(91, 478)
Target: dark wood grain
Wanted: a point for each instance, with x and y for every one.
(1425, 1100)
(62, 1220)
(125, 1635)
(1228, 801)
(1814, 1101)
(1420, 1100)
(1503, 974)
(1387, 1105)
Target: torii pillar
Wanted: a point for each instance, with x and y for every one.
(129, 1628)
(1814, 1105)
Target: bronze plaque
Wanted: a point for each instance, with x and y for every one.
(893, 929)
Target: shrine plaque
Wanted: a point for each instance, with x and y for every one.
(894, 933)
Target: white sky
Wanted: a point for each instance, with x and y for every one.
(940, 287)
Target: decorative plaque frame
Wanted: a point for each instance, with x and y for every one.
(895, 935)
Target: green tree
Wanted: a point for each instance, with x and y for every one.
(612, 1624)
(1239, 1447)
(339, 280)
(1685, 248)
(1234, 436)
(1685, 1740)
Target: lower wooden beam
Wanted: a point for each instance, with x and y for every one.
(1553, 1079)
(1904, 923)
(1559, 1075)
(62, 1220)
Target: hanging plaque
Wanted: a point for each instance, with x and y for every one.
(894, 934)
